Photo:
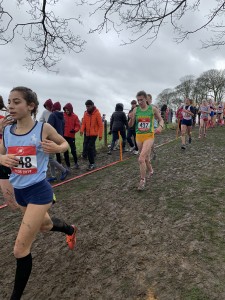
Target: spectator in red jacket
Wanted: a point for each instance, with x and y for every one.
(72, 126)
(92, 126)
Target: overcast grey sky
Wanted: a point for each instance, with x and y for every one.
(106, 72)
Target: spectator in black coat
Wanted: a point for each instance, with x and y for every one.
(118, 124)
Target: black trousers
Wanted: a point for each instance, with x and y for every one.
(90, 147)
(71, 142)
(58, 158)
(130, 133)
(115, 136)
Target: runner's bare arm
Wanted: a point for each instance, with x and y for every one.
(188, 112)
(2, 149)
(132, 117)
(52, 142)
(8, 160)
(158, 116)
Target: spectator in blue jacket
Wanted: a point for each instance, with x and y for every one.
(56, 119)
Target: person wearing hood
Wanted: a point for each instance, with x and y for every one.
(72, 126)
(118, 124)
(56, 119)
(92, 126)
(131, 131)
(48, 110)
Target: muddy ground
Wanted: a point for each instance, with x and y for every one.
(165, 243)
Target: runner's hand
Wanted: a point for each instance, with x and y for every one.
(49, 146)
(8, 120)
(158, 130)
(9, 160)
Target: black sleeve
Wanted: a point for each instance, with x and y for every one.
(111, 122)
(192, 109)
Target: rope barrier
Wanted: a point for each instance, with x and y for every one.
(96, 170)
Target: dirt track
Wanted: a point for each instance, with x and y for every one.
(167, 240)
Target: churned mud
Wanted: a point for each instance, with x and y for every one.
(166, 242)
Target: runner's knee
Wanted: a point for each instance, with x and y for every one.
(141, 160)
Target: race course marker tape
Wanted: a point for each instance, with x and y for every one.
(95, 170)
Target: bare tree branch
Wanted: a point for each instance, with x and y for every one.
(145, 18)
(47, 37)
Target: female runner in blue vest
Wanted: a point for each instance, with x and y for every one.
(186, 123)
(25, 149)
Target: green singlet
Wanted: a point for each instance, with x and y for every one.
(144, 120)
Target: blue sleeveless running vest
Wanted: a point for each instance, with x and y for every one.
(33, 162)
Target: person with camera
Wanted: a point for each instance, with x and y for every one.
(72, 126)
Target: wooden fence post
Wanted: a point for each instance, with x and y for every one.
(105, 133)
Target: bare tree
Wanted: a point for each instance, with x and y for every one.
(165, 97)
(185, 88)
(200, 90)
(145, 18)
(47, 36)
(214, 81)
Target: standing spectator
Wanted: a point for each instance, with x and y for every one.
(93, 127)
(194, 112)
(72, 126)
(48, 110)
(56, 119)
(163, 113)
(131, 131)
(118, 123)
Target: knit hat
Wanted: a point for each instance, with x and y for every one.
(48, 103)
(89, 102)
(56, 106)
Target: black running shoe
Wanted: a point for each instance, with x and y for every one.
(183, 147)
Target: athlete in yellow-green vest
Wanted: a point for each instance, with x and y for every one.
(143, 118)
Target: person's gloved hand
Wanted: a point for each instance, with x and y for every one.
(109, 132)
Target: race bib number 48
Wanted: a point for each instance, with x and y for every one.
(27, 159)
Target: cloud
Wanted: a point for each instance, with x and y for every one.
(106, 72)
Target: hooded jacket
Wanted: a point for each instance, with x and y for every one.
(92, 123)
(72, 122)
(46, 113)
(48, 103)
(118, 120)
(56, 119)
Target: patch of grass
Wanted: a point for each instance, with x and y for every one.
(194, 294)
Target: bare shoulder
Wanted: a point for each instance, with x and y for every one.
(155, 109)
(48, 130)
